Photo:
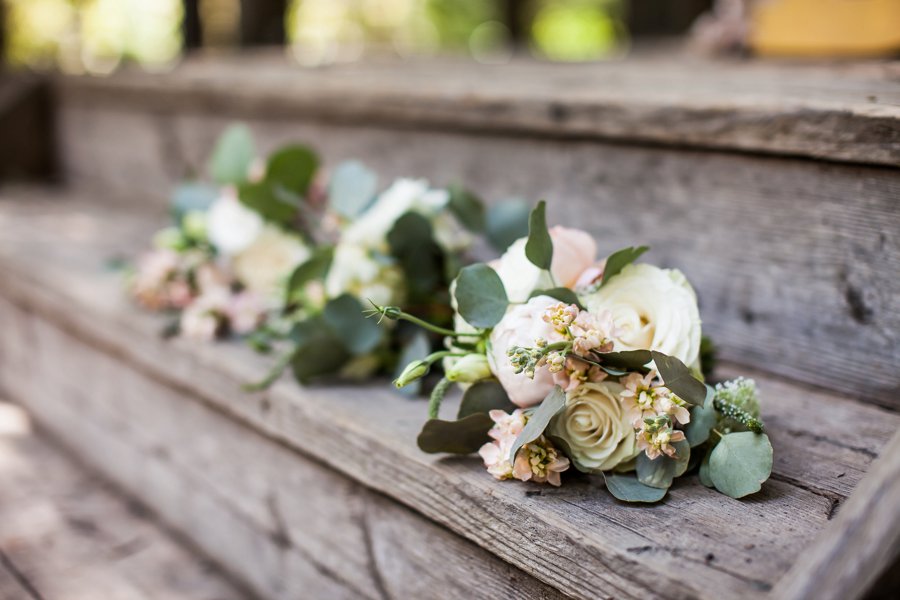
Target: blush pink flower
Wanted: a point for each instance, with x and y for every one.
(658, 442)
(539, 461)
(245, 312)
(592, 332)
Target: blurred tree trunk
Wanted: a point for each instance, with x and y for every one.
(190, 25)
(262, 22)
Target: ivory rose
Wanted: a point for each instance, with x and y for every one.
(231, 227)
(264, 266)
(573, 252)
(595, 427)
(653, 309)
(521, 326)
(353, 270)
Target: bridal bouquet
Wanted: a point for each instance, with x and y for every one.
(278, 253)
(568, 363)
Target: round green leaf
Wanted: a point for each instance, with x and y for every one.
(740, 463)
(232, 155)
(351, 188)
(467, 207)
(292, 168)
(660, 471)
(455, 437)
(480, 296)
(703, 419)
(628, 489)
(505, 222)
(483, 397)
(704, 471)
(344, 315)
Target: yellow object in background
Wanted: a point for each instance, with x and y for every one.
(825, 27)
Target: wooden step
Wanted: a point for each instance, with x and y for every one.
(709, 163)
(64, 534)
(322, 491)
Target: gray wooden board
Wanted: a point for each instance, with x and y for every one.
(841, 112)
(793, 259)
(823, 443)
(64, 534)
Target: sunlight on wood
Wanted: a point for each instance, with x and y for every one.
(13, 420)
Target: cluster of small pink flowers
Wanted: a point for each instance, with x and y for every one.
(592, 333)
(561, 316)
(538, 461)
(653, 410)
(161, 281)
(218, 309)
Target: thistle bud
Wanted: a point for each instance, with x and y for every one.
(469, 369)
(413, 371)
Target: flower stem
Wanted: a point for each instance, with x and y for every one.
(727, 409)
(437, 396)
(273, 375)
(392, 312)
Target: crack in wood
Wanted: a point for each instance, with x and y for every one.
(20, 577)
(371, 557)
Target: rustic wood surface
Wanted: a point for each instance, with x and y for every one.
(56, 293)
(840, 112)
(859, 544)
(793, 259)
(64, 535)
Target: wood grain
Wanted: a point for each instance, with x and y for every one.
(57, 292)
(844, 113)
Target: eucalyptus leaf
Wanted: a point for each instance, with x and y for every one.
(740, 463)
(352, 189)
(292, 168)
(455, 437)
(315, 268)
(627, 488)
(417, 347)
(680, 379)
(192, 196)
(619, 260)
(319, 351)
(703, 418)
(539, 419)
(263, 199)
(539, 247)
(233, 153)
(483, 397)
(467, 207)
(480, 296)
(630, 360)
(411, 242)
(358, 334)
(660, 471)
(505, 222)
(560, 293)
(703, 473)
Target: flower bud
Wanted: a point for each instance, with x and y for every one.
(469, 369)
(194, 225)
(413, 371)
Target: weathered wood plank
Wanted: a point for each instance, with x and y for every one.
(792, 258)
(64, 534)
(367, 434)
(859, 545)
(846, 113)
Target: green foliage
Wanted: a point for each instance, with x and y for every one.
(703, 418)
(191, 196)
(292, 169)
(233, 153)
(351, 189)
(315, 268)
(629, 360)
(483, 397)
(468, 208)
(344, 316)
(708, 352)
(480, 296)
(464, 436)
(505, 222)
(412, 244)
(560, 293)
(539, 247)
(267, 202)
(703, 473)
(660, 472)
(619, 260)
(679, 379)
(319, 350)
(551, 406)
(627, 488)
(740, 463)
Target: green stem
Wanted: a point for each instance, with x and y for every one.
(729, 410)
(395, 313)
(436, 356)
(437, 396)
(272, 375)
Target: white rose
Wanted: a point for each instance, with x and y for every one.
(573, 252)
(595, 427)
(231, 227)
(371, 228)
(653, 309)
(353, 270)
(265, 265)
(522, 324)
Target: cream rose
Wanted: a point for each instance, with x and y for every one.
(573, 252)
(264, 266)
(230, 226)
(354, 271)
(595, 427)
(653, 309)
(522, 324)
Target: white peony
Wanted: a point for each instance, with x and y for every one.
(353, 270)
(370, 230)
(595, 427)
(573, 252)
(231, 227)
(521, 326)
(653, 309)
(265, 265)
